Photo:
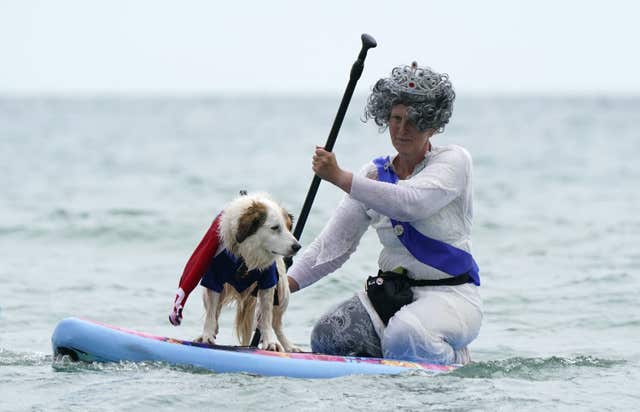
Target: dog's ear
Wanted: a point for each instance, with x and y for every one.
(251, 220)
(288, 219)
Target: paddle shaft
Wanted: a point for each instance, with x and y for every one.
(368, 42)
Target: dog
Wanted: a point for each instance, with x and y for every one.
(254, 234)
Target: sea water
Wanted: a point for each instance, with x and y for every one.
(104, 199)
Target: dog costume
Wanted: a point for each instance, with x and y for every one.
(212, 266)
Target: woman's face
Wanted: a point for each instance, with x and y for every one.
(405, 136)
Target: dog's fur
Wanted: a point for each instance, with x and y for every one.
(258, 230)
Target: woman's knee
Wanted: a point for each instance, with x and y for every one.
(324, 334)
(405, 338)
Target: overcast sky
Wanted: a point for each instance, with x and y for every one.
(278, 46)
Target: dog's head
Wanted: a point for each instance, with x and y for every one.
(258, 229)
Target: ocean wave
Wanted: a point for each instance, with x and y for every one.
(8, 230)
(119, 224)
(12, 358)
(533, 368)
(65, 364)
(530, 369)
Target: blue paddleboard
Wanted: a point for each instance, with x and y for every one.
(86, 340)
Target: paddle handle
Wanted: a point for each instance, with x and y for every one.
(368, 42)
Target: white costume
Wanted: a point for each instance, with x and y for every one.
(437, 200)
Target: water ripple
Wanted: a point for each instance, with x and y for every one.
(533, 368)
(11, 358)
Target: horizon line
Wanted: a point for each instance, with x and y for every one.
(267, 94)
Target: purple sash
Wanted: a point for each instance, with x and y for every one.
(432, 252)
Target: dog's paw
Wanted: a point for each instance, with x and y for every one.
(292, 348)
(206, 338)
(274, 346)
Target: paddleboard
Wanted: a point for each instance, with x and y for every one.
(90, 341)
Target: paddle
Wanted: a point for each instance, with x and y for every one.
(368, 42)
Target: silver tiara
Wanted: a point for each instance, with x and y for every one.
(418, 81)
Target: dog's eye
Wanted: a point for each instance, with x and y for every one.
(276, 227)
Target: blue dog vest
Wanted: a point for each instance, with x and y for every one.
(432, 252)
(224, 269)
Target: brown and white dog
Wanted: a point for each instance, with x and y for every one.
(258, 230)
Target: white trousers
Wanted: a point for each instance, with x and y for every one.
(435, 328)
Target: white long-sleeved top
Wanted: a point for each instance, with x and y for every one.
(436, 199)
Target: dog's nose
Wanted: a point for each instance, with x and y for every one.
(296, 246)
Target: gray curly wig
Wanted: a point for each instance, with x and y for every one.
(429, 96)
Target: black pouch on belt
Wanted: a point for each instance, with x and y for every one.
(388, 292)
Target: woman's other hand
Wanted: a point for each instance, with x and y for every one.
(293, 285)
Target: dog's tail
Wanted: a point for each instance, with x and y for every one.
(245, 316)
